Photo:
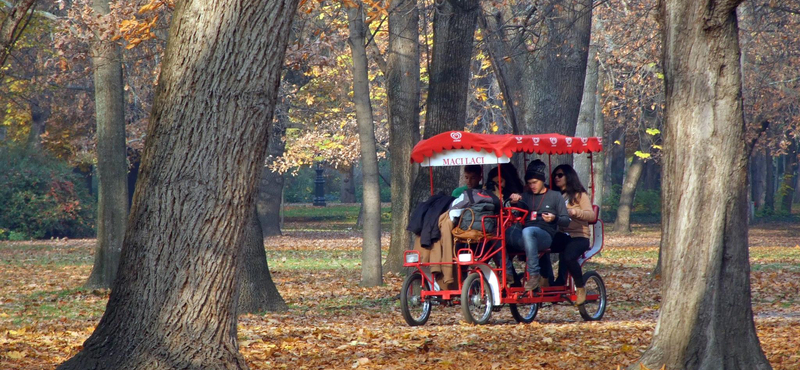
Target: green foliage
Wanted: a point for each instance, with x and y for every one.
(646, 205)
(299, 188)
(42, 198)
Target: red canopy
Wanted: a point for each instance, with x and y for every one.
(505, 145)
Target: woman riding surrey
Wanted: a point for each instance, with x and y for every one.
(571, 241)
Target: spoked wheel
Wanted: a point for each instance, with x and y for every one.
(416, 311)
(593, 310)
(524, 313)
(476, 300)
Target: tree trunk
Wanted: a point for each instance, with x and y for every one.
(769, 196)
(543, 87)
(40, 112)
(453, 35)
(585, 126)
(758, 178)
(347, 188)
(789, 174)
(174, 302)
(614, 159)
(706, 319)
(623, 222)
(257, 291)
(371, 274)
(599, 131)
(402, 89)
(112, 166)
(12, 25)
(651, 176)
(270, 189)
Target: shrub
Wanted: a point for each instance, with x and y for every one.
(40, 197)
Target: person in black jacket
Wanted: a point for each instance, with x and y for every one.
(547, 211)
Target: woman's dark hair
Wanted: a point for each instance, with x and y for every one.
(573, 187)
(513, 184)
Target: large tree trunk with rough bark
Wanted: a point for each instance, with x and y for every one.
(173, 304)
(402, 89)
(112, 166)
(706, 319)
(371, 274)
(623, 221)
(453, 34)
(14, 21)
(540, 66)
(270, 189)
(257, 291)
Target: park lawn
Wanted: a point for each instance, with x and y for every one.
(45, 315)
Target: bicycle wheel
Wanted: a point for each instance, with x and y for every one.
(524, 313)
(416, 311)
(593, 310)
(476, 300)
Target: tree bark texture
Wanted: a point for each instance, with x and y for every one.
(623, 221)
(371, 274)
(347, 188)
(706, 319)
(174, 302)
(40, 112)
(257, 291)
(12, 25)
(112, 165)
(270, 189)
(789, 174)
(403, 96)
(453, 36)
(542, 78)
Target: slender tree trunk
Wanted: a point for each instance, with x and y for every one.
(112, 166)
(789, 174)
(11, 26)
(347, 188)
(614, 159)
(453, 34)
(585, 127)
(174, 302)
(599, 131)
(257, 291)
(769, 196)
(371, 274)
(270, 189)
(706, 319)
(758, 178)
(40, 112)
(623, 222)
(402, 89)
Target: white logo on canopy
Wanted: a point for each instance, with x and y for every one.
(553, 141)
(463, 157)
(536, 141)
(456, 136)
(585, 140)
(569, 141)
(519, 139)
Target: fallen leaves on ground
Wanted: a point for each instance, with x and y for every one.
(334, 323)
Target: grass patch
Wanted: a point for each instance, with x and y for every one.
(343, 212)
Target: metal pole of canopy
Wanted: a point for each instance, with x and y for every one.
(591, 174)
(430, 175)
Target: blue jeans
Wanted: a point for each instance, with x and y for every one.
(535, 239)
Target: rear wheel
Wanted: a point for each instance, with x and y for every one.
(476, 300)
(416, 311)
(593, 310)
(524, 313)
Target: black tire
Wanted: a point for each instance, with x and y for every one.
(593, 310)
(476, 307)
(415, 310)
(524, 313)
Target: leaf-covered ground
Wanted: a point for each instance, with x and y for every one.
(333, 323)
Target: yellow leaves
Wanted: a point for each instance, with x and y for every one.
(653, 131)
(15, 355)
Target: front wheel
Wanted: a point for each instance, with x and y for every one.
(524, 313)
(416, 311)
(476, 300)
(593, 310)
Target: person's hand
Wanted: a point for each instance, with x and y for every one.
(515, 197)
(548, 217)
(572, 212)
